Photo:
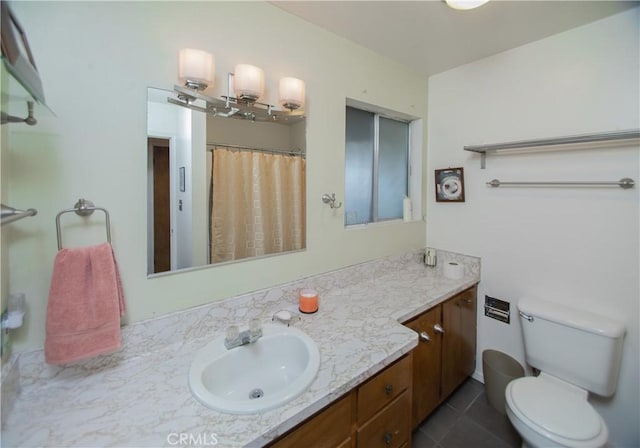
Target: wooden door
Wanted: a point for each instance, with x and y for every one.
(426, 365)
(161, 210)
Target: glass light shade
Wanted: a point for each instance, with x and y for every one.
(248, 82)
(465, 4)
(292, 93)
(196, 68)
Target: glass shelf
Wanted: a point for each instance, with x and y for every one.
(14, 97)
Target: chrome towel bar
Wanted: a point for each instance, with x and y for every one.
(624, 183)
(10, 214)
(82, 208)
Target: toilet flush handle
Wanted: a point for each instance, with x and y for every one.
(526, 316)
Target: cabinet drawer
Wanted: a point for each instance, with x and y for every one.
(391, 428)
(383, 388)
(328, 429)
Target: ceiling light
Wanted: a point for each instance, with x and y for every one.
(465, 4)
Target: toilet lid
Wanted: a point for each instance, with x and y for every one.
(555, 409)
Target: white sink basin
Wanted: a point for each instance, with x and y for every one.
(255, 377)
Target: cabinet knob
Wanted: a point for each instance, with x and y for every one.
(388, 438)
(388, 388)
(438, 329)
(424, 336)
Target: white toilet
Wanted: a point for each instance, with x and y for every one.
(576, 353)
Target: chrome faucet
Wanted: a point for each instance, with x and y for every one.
(235, 338)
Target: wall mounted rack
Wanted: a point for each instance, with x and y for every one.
(20, 64)
(624, 183)
(553, 143)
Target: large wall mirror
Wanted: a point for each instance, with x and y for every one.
(221, 189)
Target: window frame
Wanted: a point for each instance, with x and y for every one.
(414, 162)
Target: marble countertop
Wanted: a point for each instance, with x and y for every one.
(140, 396)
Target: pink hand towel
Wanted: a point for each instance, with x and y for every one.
(85, 305)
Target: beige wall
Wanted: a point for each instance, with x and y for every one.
(572, 246)
(97, 60)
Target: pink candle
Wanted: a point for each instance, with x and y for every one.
(308, 301)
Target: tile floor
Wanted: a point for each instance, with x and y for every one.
(466, 420)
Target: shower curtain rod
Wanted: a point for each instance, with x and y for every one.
(212, 146)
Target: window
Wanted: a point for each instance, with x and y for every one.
(376, 166)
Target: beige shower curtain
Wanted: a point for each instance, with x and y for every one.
(257, 204)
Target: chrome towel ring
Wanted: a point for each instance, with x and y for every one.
(83, 208)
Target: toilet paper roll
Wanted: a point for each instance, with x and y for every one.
(453, 270)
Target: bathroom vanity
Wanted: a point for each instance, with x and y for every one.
(374, 414)
(362, 393)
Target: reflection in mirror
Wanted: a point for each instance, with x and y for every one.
(221, 189)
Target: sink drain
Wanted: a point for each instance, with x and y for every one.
(256, 393)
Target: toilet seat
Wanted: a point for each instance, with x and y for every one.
(556, 410)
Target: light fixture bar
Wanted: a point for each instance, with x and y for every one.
(231, 107)
(196, 72)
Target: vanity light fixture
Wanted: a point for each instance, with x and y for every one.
(196, 73)
(248, 82)
(465, 4)
(292, 92)
(196, 68)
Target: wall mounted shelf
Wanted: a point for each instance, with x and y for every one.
(18, 61)
(553, 143)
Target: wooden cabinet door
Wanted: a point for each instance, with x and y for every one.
(426, 365)
(459, 340)
(330, 428)
(468, 316)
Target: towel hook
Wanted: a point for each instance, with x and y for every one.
(331, 200)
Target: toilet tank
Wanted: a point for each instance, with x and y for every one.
(574, 345)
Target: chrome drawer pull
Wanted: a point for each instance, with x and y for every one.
(438, 329)
(388, 388)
